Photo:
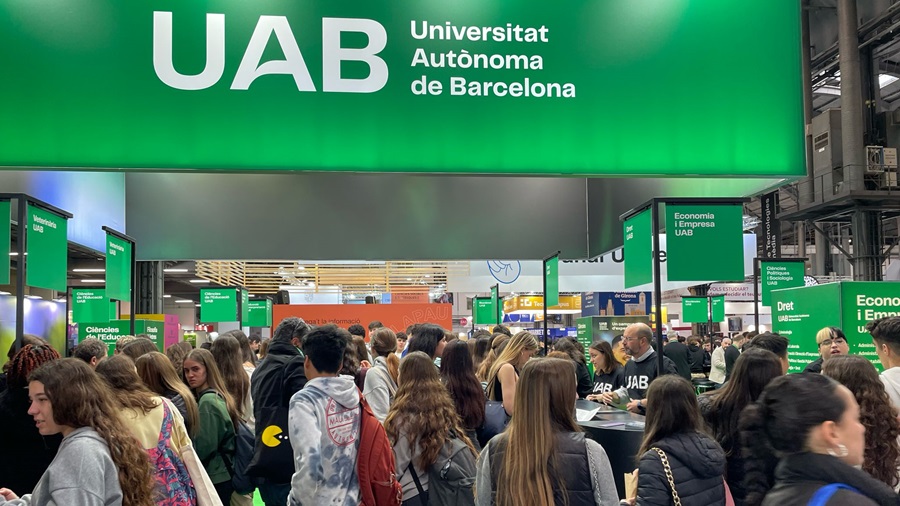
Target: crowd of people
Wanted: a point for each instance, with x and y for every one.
(326, 415)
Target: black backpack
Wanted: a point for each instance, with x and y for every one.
(451, 479)
(243, 453)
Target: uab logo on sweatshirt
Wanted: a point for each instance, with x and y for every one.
(339, 423)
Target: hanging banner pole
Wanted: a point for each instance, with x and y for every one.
(548, 297)
(495, 301)
(657, 286)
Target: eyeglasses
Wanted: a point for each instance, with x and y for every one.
(829, 342)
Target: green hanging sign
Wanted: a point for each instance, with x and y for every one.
(245, 307)
(218, 305)
(496, 308)
(695, 309)
(638, 249)
(47, 249)
(260, 313)
(5, 242)
(483, 311)
(118, 268)
(717, 308)
(91, 305)
(799, 313)
(551, 281)
(775, 275)
(704, 242)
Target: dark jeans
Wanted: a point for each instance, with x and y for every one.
(273, 494)
(224, 491)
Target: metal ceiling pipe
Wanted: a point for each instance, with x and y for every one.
(852, 125)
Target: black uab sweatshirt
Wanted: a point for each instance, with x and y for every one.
(639, 375)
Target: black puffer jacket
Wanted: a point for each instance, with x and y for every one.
(697, 464)
(799, 476)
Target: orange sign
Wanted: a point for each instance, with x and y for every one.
(419, 297)
(394, 316)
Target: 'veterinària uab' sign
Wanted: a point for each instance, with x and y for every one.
(596, 87)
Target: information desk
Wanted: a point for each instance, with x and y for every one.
(620, 433)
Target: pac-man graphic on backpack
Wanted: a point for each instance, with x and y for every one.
(272, 436)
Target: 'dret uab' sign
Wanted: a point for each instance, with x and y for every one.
(465, 86)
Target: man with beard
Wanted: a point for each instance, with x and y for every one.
(643, 367)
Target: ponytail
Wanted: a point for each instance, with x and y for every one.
(393, 366)
(759, 456)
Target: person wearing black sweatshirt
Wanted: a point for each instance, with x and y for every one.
(697, 356)
(680, 355)
(642, 368)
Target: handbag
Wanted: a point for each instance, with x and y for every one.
(495, 418)
(668, 470)
(206, 491)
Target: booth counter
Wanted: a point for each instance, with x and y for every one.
(619, 433)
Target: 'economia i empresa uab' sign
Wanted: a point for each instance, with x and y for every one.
(594, 87)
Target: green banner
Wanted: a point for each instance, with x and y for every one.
(218, 305)
(638, 249)
(154, 329)
(110, 332)
(5, 242)
(704, 242)
(695, 309)
(91, 305)
(404, 86)
(483, 311)
(717, 308)
(775, 275)
(496, 305)
(799, 313)
(862, 302)
(603, 328)
(118, 268)
(260, 313)
(245, 307)
(47, 249)
(551, 277)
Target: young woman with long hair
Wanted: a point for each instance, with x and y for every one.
(420, 421)
(227, 351)
(804, 433)
(156, 425)
(876, 413)
(721, 409)
(158, 375)
(99, 462)
(219, 415)
(501, 381)
(482, 347)
(609, 375)
(381, 379)
(458, 375)
(575, 352)
(543, 458)
(176, 354)
(248, 357)
(675, 445)
(484, 369)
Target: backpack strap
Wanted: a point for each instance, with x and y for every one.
(823, 495)
(165, 432)
(415, 478)
(225, 460)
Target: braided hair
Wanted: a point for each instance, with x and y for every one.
(27, 359)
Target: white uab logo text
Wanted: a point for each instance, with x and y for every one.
(293, 64)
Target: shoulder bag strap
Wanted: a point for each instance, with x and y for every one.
(823, 495)
(668, 470)
(415, 478)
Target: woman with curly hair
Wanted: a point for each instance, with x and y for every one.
(420, 421)
(99, 462)
(882, 455)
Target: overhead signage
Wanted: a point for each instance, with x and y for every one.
(92, 305)
(403, 86)
(260, 313)
(770, 236)
(615, 303)
(111, 331)
(551, 280)
(483, 311)
(695, 309)
(717, 308)
(775, 275)
(118, 268)
(704, 242)
(47, 249)
(218, 305)
(535, 303)
(5, 242)
(638, 249)
(496, 309)
(245, 307)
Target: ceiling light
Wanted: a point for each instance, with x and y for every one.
(4, 293)
(174, 270)
(89, 270)
(886, 79)
(33, 297)
(93, 281)
(428, 275)
(196, 305)
(184, 301)
(409, 279)
(59, 300)
(199, 281)
(167, 296)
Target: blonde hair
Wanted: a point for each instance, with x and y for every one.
(523, 341)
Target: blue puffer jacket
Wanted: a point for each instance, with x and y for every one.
(697, 463)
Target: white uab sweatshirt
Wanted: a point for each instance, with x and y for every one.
(891, 379)
(323, 425)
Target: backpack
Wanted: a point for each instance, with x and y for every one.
(452, 476)
(378, 485)
(174, 486)
(243, 453)
(823, 495)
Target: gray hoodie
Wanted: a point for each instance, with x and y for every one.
(323, 424)
(82, 473)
